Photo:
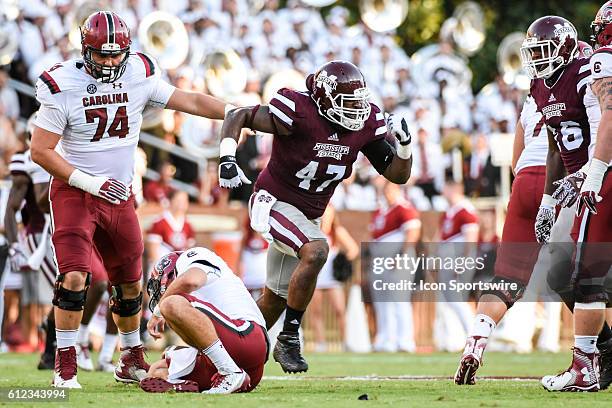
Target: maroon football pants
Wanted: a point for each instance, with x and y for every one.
(82, 221)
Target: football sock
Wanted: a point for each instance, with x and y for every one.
(293, 319)
(220, 358)
(483, 326)
(83, 334)
(585, 343)
(130, 339)
(605, 334)
(66, 338)
(108, 347)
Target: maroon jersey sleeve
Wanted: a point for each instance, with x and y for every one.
(466, 217)
(408, 213)
(284, 109)
(156, 231)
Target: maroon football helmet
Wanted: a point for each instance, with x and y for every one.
(164, 272)
(551, 43)
(339, 90)
(584, 49)
(106, 33)
(601, 27)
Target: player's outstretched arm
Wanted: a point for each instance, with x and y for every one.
(252, 117)
(197, 103)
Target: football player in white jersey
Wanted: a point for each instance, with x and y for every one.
(201, 299)
(85, 136)
(593, 226)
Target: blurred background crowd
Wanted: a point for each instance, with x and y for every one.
(450, 67)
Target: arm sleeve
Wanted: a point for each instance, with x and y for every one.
(52, 115)
(283, 108)
(601, 63)
(380, 153)
(161, 91)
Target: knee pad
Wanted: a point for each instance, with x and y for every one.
(509, 296)
(66, 299)
(589, 293)
(124, 307)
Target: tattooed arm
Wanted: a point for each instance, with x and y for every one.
(589, 193)
(603, 90)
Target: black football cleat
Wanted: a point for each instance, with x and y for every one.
(288, 354)
(605, 364)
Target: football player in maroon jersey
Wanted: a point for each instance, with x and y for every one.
(317, 137)
(592, 224)
(518, 253)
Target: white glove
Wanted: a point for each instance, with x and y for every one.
(589, 194)
(17, 258)
(545, 219)
(107, 188)
(568, 188)
(399, 128)
(230, 174)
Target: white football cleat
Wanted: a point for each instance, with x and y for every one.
(59, 382)
(229, 383)
(65, 373)
(471, 360)
(581, 376)
(84, 361)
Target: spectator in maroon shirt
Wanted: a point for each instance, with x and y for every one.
(158, 191)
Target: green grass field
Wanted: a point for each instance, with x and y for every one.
(337, 380)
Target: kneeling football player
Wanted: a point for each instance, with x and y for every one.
(201, 299)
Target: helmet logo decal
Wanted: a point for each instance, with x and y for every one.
(562, 31)
(329, 82)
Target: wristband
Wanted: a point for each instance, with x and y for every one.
(597, 169)
(227, 147)
(157, 311)
(404, 151)
(548, 201)
(81, 180)
(595, 176)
